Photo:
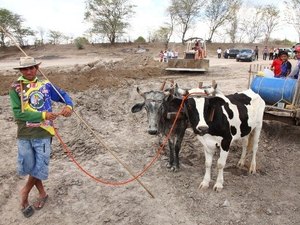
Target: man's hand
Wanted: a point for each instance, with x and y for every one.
(51, 116)
(66, 111)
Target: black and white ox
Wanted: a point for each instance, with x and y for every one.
(161, 107)
(221, 119)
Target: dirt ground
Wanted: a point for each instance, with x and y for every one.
(103, 97)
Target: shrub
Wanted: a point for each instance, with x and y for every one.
(140, 39)
(80, 42)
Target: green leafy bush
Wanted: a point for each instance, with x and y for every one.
(140, 39)
(80, 42)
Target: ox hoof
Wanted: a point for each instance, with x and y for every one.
(240, 164)
(252, 169)
(203, 185)
(174, 169)
(169, 165)
(218, 187)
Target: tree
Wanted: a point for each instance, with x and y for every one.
(234, 25)
(251, 25)
(292, 17)
(55, 37)
(219, 12)
(185, 13)
(270, 20)
(233, 29)
(109, 17)
(164, 33)
(41, 32)
(12, 23)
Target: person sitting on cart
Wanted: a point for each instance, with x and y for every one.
(276, 66)
(295, 72)
(286, 66)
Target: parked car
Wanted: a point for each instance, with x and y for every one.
(246, 55)
(231, 53)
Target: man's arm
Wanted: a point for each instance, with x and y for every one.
(62, 97)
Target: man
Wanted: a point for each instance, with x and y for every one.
(265, 53)
(295, 72)
(219, 52)
(256, 52)
(30, 100)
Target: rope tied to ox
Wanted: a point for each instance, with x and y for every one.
(135, 177)
(145, 169)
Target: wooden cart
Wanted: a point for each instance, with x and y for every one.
(284, 112)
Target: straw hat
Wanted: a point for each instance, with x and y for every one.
(26, 62)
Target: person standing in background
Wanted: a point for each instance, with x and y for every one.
(265, 53)
(219, 52)
(256, 52)
(271, 53)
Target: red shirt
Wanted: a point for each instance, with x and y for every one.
(276, 64)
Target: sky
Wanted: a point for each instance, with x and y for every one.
(67, 16)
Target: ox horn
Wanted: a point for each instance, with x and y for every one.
(172, 83)
(139, 91)
(214, 84)
(163, 85)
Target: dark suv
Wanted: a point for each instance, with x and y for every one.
(231, 53)
(246, 55)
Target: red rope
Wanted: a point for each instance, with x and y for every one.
(119, 183)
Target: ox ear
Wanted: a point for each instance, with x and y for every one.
(180, 92)
(168, 94)
(137, 107)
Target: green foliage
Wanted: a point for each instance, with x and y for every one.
(55, 37)
(80, 42)
(12, 23)
(185, 13)
(283, 42)
(162, 34)
(140, 39)
(109, 17)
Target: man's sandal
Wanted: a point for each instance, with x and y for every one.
(28, 211)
